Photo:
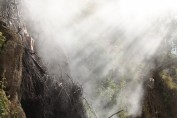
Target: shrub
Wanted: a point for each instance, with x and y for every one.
(2, 40)
(4, 102)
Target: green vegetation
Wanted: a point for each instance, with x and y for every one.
(2, 40)
(110, 89)
(169, 79)
(4, 102)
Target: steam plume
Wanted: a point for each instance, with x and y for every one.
(98, 36)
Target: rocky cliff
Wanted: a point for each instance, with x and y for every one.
(28, 90)
(11, 54)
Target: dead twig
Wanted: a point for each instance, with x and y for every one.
(115, 113)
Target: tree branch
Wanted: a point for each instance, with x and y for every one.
(115, 113)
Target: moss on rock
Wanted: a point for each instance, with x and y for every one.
(11, 69)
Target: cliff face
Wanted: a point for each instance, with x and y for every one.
(11, 70)
(160, 101)
(34, 93)
(48, 96)
(29, 91)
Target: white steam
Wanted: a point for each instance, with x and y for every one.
(100, 35)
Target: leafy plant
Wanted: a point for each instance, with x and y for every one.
(169, 80)
(2, 40)
(109, 90)
(4, 102)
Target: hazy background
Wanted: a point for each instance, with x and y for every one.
(98, 37)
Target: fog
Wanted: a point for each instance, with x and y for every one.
(97, 36)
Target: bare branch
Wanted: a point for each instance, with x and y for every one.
(115, 113)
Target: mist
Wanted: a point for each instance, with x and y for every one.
(95, 37)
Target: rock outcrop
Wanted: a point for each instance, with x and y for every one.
(11, 70)
(160, 101)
